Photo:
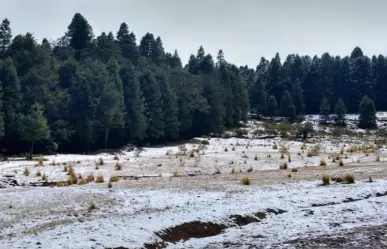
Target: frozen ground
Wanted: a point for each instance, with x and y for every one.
(166, 187)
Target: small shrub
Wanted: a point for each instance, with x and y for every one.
(26, 171)
(245, 181)
(71, 172)
(294, 170)
(275, 147)
(101, 161)
(72, 180)
(38, 174)
(82, 182)
(282, 156)
(176, 173)
(110, 185)
(92, 206)
(100, 179)
(217, 172)
(118, 166)
(29, 157)
(256, 158)
(233, 171)
(53, 163)
(250, 170)
(370, 179)
(233, 148)
(116, 157)
(225, 150)
(341, 163)
(309, 154)
(205, 142)
(114, 179)
(90, 178)
(337, 158)
(323, 163)
(349, 179)
(61, 184)
(65, 168)
(41, 161)
(192, 154)
(290, 175)
(44, 177)
(96, 166)
(326, 180)
(284, 166)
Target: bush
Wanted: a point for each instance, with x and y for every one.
(205, 142)
(41, 161)
(349, 179)
(256, 158)
(38, 174)
(176, 173)
(250, 170)
(82, 182)
(225, 149)
(101, 161)
(290, 175)
(65, 168)
(72, 180)
(275, 147)
(323, 163)
(44, 177)
(71, 172)
(233, 171)
(284, 166)
(217, 171)
(294, 170)
(90, 178)
(118, 166)
(116, 157)
(245, 181)
(341, 163)
(282, 156)
(326, 180)
(61, 184)
(100, 179)
(110, 185)
(114, 179)
(241, 132)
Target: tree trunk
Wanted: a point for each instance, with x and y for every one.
(106, 137)
(32, 148)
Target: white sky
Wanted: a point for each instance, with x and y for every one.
(245, 29)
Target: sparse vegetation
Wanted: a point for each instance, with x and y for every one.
(44, 177)
(92, 206)
(217, 171)
(250, 170)
(284, 166)
(101, 161)
(290, 175)
(114, 179)
(348, 178)
(205, 142)
(118, 166)
(377, 157)
(26, 171)
(275, 147)
(245, 181)
(90, 178)
(110, 185)
(176, 173)
(41, 161)
(233, 171)
(323, 163)
(116, 157)
(256, 158)
(341, 163)
(38, 173)
(82, 182)
(326, 180)
(294, 170)
(100, 179)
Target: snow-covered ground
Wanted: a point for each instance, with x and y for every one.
(150, 197)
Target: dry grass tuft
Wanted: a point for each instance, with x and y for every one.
(110, 185)
(41, 161)
(100, 179)
(233, 171)
(90, 178)
(341, 163)
(118, 166)
(92, 206)
(245, 181)
(294, 170)
(284, 166)
(323, 163)
(348, 178)
(250, 170)
(114, 179)
(82, 182)
(38, 173)
(326, 180)
(116, 157)
(101, 161)
(26, 171)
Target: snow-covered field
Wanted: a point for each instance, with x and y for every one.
(164, 187)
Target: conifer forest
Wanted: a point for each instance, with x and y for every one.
(86, 91)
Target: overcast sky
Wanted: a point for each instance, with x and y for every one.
(245, 29)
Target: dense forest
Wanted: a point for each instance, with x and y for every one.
(84, 92)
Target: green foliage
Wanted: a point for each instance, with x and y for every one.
(287, 108)
(340, 111)
(272, 106)
(325, 110)
(367, 118)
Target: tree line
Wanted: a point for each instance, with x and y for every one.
(84, 92)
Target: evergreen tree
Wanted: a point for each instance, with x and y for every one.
(287, 108)
(11, 100)
(258, 97)
(135, 121)
(174, 60)
(5, 37)
(367, 118)
(35, 126)
(170, 110)
(325, 110)
(272, 106)
(80, 34)
(274, 78)
(298, 97)
(153, 106)
(127, 43)
(340, 111)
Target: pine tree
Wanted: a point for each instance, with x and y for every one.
(11, 100)
(287, 108)
(274, 78)
(153, 106)
(170, 110)
(174, 60)
(5, 37)
(127, 43)
(325, 110)
(80, 34)
(298, 97)
(35, 126)
(258, 97)
(367, 118)
(135, 121)
(272, 106)
(340, 111)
